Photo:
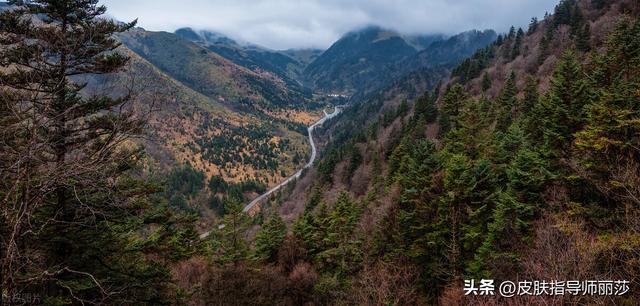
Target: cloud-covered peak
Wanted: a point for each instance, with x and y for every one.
(283, 24)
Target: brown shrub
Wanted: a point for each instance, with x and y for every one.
(386, 283)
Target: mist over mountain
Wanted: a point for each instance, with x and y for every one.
(287, 24)
(249, 56)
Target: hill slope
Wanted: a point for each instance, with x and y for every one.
(210, 73)
(219, 119)
(521, 166)
(364, 61)
(287, 65)
(357, 60)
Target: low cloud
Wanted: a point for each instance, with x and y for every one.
(283, 24)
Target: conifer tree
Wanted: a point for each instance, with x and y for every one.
(533, 25)
(425, 107)
(453, 101)
(270, 238)
(607, 147)
(531, 96)
(517, 44)
(403, 109)
(341, 249)
(583, 38)
(234, 248)
(507, 102)
(512, 33)
(68, 196)
(561, 111)
(486, 82)
(544, 49)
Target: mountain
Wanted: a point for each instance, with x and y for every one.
(421, 42)
(451, 51)
(287, 65)
(304, 56)
(366, 60)
(210, 73)
(211, 118)
(359, 60)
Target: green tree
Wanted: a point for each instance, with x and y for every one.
(561, 112)
(217, 184)
(270, 238)
(512, 33)
(69, 199)
(341, 251)
(545, 42)
(533, 25)
(486, 82)
(526, 173)
(403, 109)
(425, 107)
(452, 103)
(233, 245)
(531, 96)
(507, 102)
(517, 44)
(583, 38)
(607, 146)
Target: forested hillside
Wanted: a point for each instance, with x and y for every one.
(207, 113)
(286, 65)
(210, 73)
(364, 61)
(217, 118)
(522, 166)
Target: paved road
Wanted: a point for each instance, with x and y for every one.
(298, 174)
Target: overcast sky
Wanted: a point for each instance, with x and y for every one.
(283, 24)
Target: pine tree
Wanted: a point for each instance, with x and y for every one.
(217, 184)
(583, 38)
(607, 147)
(342, 250)
(544, 49)
(64, 162)
(403, 109)
(270, 238)
(561, 111)
(233, 246)
(486, 82)
(507, 102)
(471, 132)
(531, 96)
(425, 107)
(517, 44)
(564, 13)
(512, 33)
(526, 174)
(533, 25)
(452, 103)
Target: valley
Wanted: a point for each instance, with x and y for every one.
(369, 153)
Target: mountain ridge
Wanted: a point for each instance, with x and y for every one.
(368, 59)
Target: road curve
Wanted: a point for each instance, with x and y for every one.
(295, 176)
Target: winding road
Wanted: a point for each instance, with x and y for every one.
(297, 175)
